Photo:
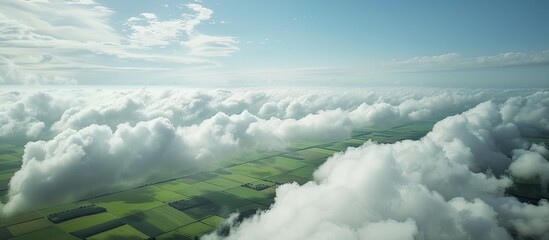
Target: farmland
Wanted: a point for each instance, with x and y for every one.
(187, 206)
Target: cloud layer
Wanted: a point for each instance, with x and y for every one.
(41, 114)
(111, 134)
(449, 185)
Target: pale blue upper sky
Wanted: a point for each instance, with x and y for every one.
(288, 42)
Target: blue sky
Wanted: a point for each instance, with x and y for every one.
(283, 42)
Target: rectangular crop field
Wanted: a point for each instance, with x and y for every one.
(122, 232)
(80, 223)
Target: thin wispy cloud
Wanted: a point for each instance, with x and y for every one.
(455, 61)
(78, 35)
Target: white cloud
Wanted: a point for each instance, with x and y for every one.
(80, 37)
(78, 108)
(73, 159)
(188, 127)
(389, 229)
(149, 16)
(154, 32)
(455, 61)
(205, 45)
(13, 74)
(148, 31)
(531, 164)
(57, 18)
(448, 185)
(61, 169)
(528, 113)
(85, 2)
(202, 14)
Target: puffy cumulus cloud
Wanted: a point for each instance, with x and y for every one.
(62, 168)
(389, 229)
(28, 116)
(326, 125)
(112, 134)
(87, 125)
(530, 114)
(526, 220)
(79, 108)
(451, 184)
(531, 164)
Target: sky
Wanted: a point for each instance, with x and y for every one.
(267, 43)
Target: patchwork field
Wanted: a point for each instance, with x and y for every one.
(184, 207)
(10, 162)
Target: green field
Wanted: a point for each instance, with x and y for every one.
(80, 223)
(122, 232)
(51, 233)
(157, 221)
(10, 162)
(30, 226)
(128, 202)
(195, 229)
(190, 205)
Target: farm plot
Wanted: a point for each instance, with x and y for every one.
(314, 156)
(282, 164)
(128, 202)
(121, 232)
(195, 229)
(195, 189)
(50, 233)
(304, 172)
(80, 223)
(255, 170)
(214, 220)
(99, 228)
(238, 177)
(30, 226)
(25, 217)
(287, 178)
(223, 182)
(251, 195)
(157, 221)
(10, 162)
